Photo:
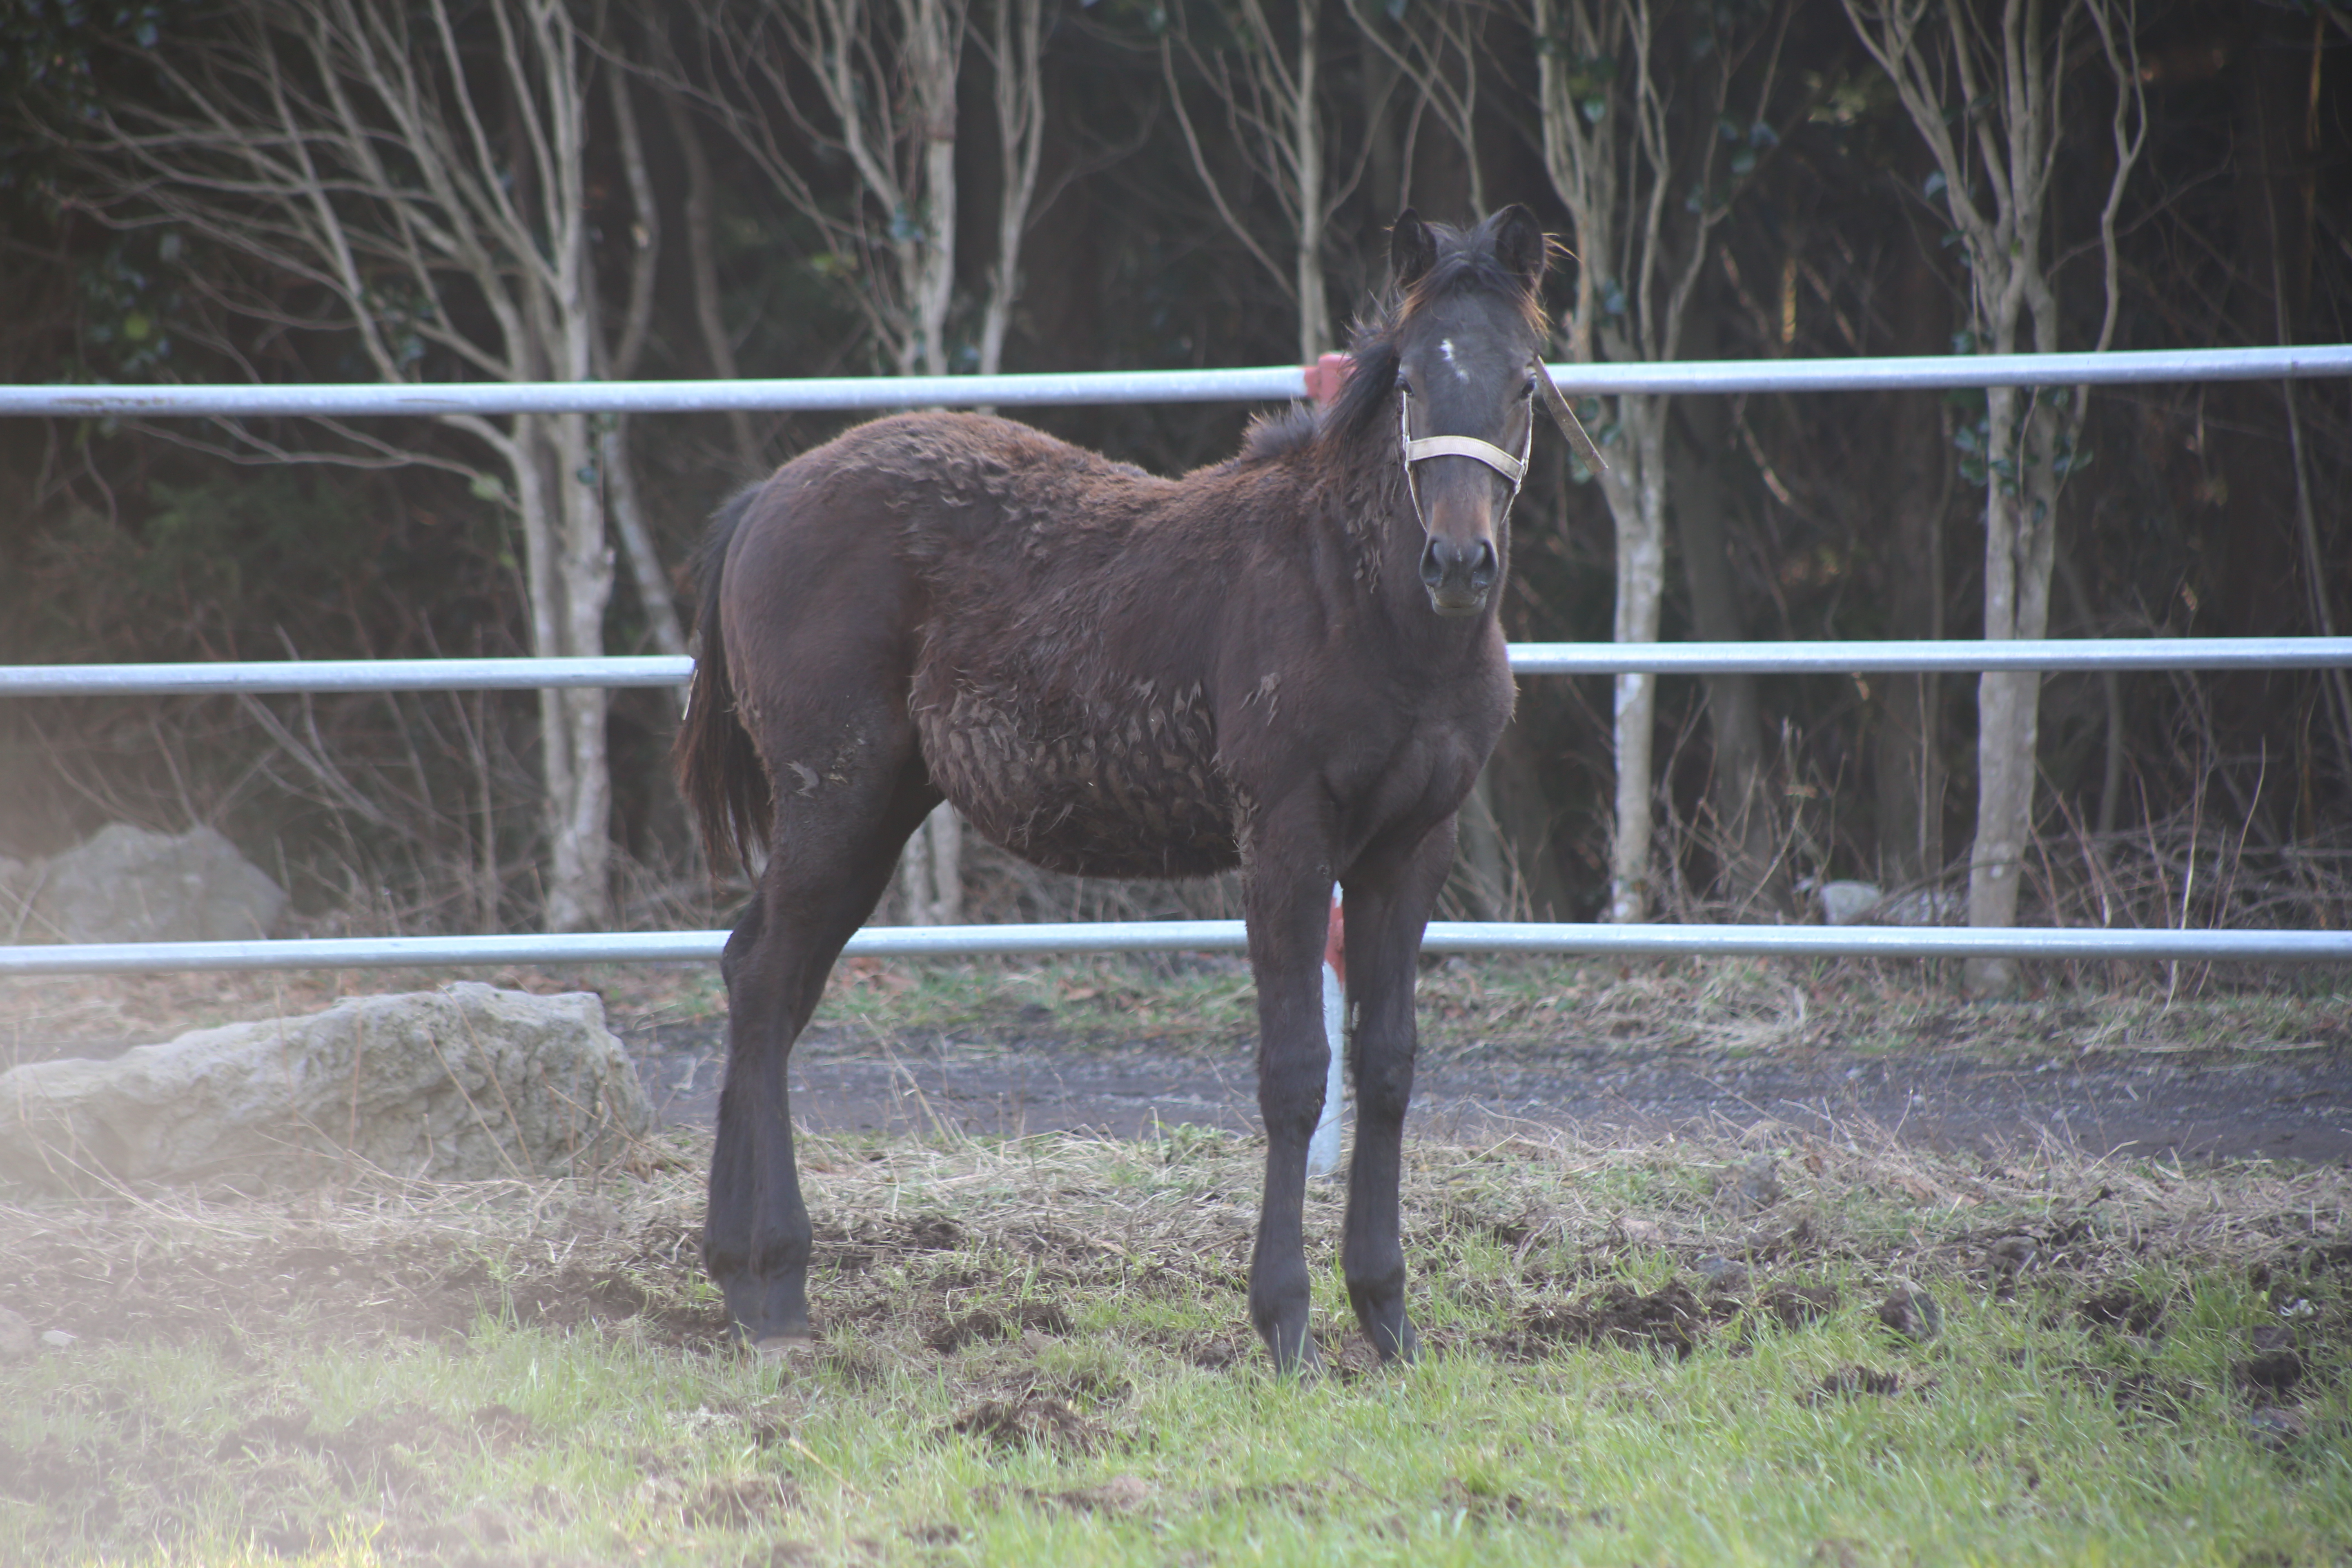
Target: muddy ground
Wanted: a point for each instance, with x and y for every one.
(2290, 1103)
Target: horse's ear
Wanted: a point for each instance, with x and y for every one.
(1412, 249)
(1520, 243)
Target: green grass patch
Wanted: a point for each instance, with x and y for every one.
(1036, 1351)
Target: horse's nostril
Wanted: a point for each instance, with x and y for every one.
(1433, 563)
(1482, 568)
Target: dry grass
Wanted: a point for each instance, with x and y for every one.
(1731, 1005)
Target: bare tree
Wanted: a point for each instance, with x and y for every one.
(618, 361)
(1983, 90)
(1627, 137)
(1271, 91)
(931, 871)
(702, 249)
(874, 87)
(1437, 48)
(409, 177)
(1016, 54)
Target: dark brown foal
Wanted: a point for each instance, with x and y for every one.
(1289, 662)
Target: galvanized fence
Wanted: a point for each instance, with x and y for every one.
(1250, 385)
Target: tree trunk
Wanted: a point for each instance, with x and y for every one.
(930, 872)
(1307, 153)
(2020, 536)
(1906, 762)
(1527, 866)
(1984, 98)
(702, 268)
(581, 846)
(1747, 818)
(1641, 521)
(1017, 42)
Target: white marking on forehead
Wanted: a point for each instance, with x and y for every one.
(1445, 352)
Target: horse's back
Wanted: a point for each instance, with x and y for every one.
(1020, 599)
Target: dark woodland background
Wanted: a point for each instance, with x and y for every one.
(2166, 797)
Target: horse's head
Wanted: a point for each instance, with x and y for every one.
(1466, 338)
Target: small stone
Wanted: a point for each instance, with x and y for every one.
(16, 1340)
(1759, 1183)
(2275, 1429)
(57, 1339)
(1640, 1232)
(1723, 1277)
(1911, 1312)
(2012, 1255)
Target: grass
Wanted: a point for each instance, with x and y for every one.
(1035, 1349)
(1036, 1353)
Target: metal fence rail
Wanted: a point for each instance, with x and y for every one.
(1257, 385)
(1206, 936)
(282, 675)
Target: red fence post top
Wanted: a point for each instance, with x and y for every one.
(1327, 375)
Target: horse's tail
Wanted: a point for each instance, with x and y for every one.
(718, 769)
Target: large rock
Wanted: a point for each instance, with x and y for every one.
(454, 1085)
(126, 884)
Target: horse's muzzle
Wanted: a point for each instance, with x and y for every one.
(1458, 576)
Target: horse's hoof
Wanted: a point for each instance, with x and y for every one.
(1306, 1366)
(789, 1349)
(1404, 1351)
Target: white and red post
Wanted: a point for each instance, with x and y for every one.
(1323, 1149)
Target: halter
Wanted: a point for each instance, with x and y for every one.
(1514, 469)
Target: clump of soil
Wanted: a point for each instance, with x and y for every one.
(1030, 1421)
(1668, 1320)
(2122, 1307)
(1046, 1318)
(1795, 1306)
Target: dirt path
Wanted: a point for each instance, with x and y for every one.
(2282, 1103)
(1603, 1050)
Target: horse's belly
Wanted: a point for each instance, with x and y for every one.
(1095, 789)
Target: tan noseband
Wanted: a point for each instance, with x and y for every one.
(1493, 456)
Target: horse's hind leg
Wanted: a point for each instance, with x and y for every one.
(834, 852)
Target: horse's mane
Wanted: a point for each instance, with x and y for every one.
(1466, 261)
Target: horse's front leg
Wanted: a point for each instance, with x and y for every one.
(1389, 899)
(1287, 898)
